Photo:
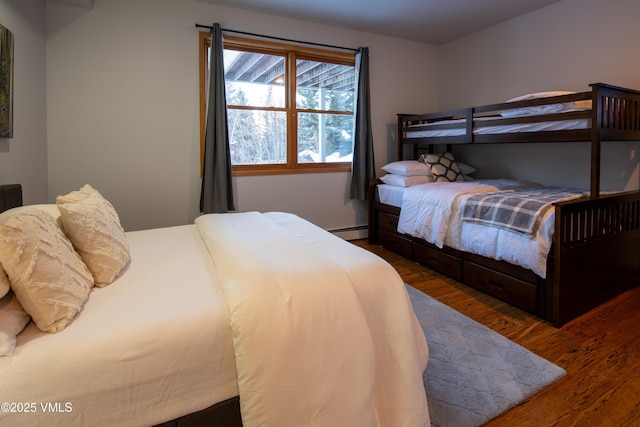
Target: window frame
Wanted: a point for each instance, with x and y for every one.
(291, 52)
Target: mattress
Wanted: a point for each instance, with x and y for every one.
(497, 129)
(150, 347)
(390, 194)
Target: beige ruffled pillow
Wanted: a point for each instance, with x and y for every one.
(13, 319)
(93, 226)
(47, 276)
(5, 285)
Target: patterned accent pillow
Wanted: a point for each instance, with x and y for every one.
(47, 276)
(93, 226)
(444, 167)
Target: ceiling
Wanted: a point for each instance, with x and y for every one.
(429, 21)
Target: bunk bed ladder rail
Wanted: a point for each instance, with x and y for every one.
(615, 117)
(618, 111)
(596, 253)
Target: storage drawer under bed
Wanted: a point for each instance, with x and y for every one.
(508, 288)
(446, 261)
(395, 242)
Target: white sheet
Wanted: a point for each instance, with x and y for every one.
(390, 194)
(366, 372)
(434, 213)
(512, 128)
(150, 347)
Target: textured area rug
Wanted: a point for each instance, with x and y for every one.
(474, 374)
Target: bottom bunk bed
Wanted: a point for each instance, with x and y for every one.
(594, 255)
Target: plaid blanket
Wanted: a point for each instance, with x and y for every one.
(518, 209)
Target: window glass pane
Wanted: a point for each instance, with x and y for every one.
(254, 79)
(257, 137)
(324, 86)
(325, 138)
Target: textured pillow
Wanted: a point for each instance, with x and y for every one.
(93, 226)
(50, 208)
(5, 285)
(47, 276)
(407, 168)
(465, 169)
(13, 319)
(444, 167)
(405, 181)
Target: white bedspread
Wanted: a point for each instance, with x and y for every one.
(433, 212)
(324, 333)
(428, 209)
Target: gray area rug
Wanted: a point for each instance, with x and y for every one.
(474, 374)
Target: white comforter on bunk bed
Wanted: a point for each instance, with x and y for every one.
(434, 212)
(307, 329)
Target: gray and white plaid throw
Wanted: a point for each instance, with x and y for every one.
(518, 209)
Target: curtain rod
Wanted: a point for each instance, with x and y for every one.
(209, 27)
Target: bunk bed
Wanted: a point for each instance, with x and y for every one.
(595, 241)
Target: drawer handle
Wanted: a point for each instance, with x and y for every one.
(496, 284)
(434, 260)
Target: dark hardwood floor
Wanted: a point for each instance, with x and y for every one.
(600, 351)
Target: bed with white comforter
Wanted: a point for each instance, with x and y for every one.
(434, 212)
(305, 328)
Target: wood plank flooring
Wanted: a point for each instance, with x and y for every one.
(600, 351)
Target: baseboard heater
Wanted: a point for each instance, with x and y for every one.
(351, 233)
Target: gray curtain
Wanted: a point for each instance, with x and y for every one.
(363, 165)
(216, 194)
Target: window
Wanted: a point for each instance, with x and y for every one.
(289, 108)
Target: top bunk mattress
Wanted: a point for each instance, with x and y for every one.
(486, 128)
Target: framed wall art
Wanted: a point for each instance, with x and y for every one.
(6, 83)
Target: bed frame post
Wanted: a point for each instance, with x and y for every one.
(400, 136)
(596, 253)
(596, 144)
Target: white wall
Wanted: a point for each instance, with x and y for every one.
(23, 158)
(564, 46)
(122, 104)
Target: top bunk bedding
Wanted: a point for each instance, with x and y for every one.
(554, 116)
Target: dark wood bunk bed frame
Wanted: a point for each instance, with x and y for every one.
(595, 253)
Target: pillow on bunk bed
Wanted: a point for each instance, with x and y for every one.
(13, 320)
(407, 168)
(93, 226)
(544, 109)
(48, 277)
(466, 169)
(405, 181)
(444, 167)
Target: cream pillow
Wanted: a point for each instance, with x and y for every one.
(51, 208)
(13, 319)
(5, 285)
(93, 226)
(47, 276)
